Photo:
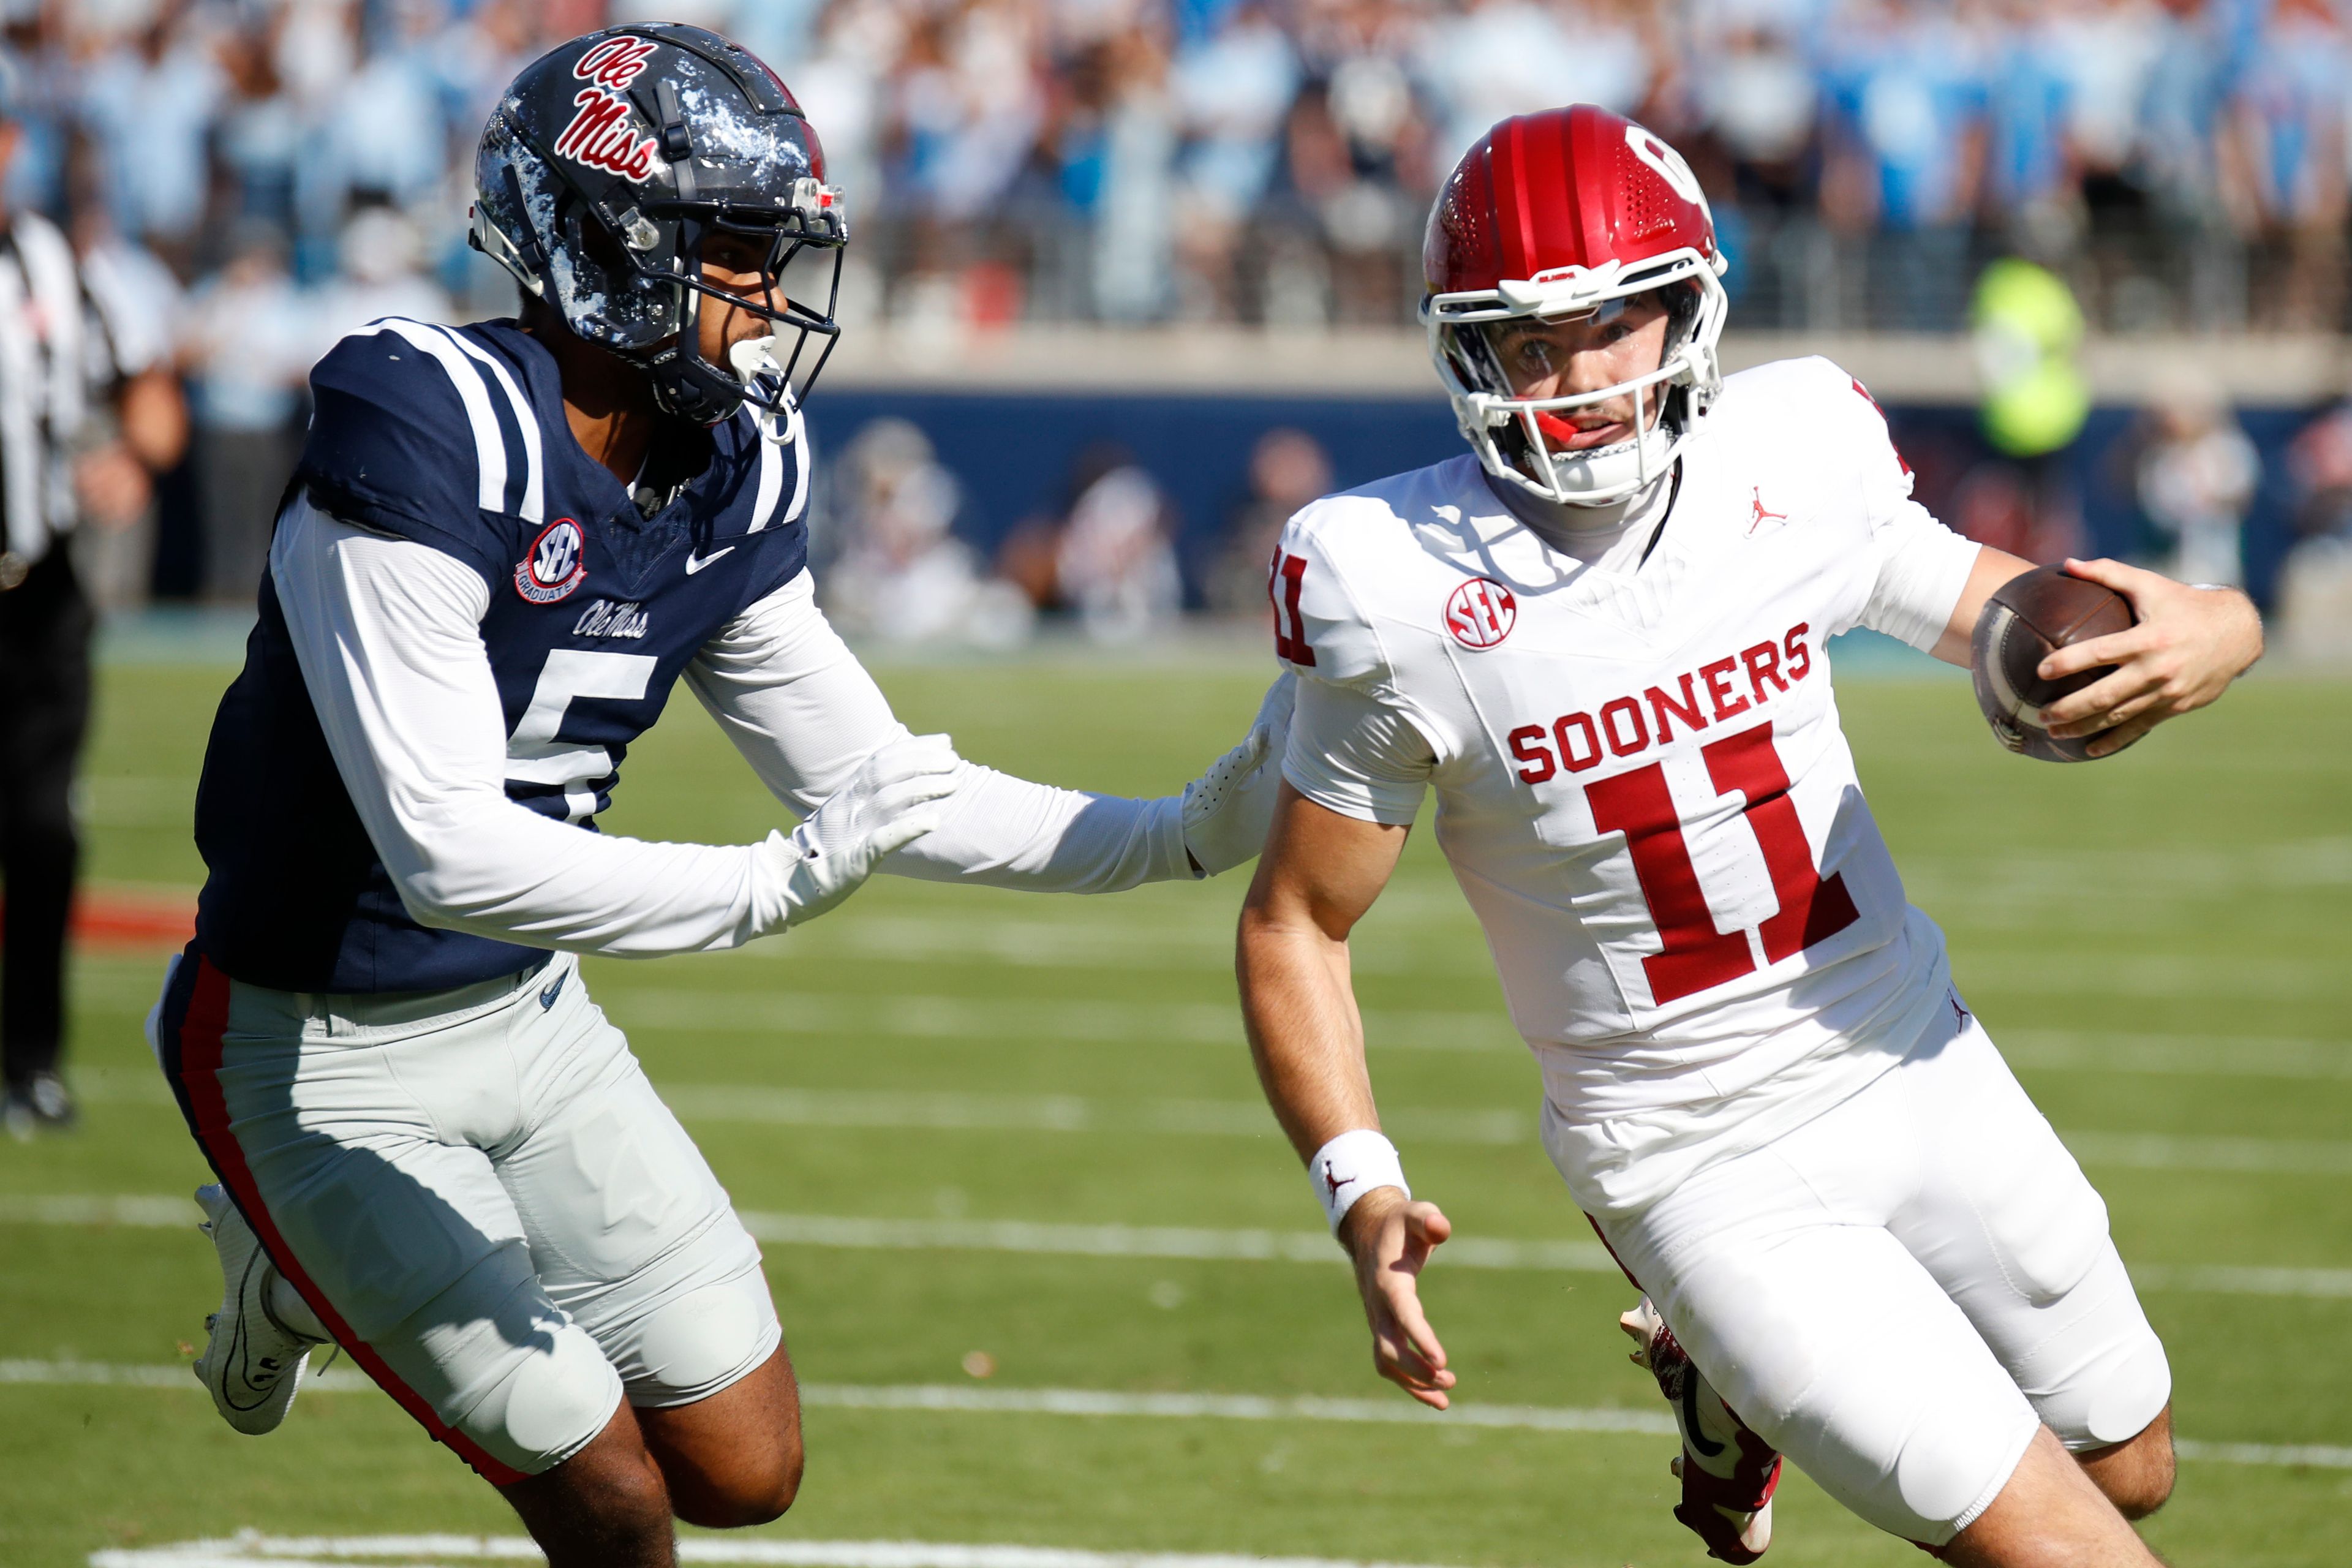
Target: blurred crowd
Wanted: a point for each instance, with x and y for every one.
(2183, 162)
(272, 174)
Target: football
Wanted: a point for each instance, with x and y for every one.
(2028, 619)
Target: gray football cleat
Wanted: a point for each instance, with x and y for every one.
(252, 1364)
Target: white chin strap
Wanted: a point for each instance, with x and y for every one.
(1601, 476)
(754, 360)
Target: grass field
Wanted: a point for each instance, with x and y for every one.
(976, 1123)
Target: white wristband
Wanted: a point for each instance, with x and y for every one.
(1350, 1165)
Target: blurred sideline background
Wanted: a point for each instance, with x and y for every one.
(1129, 279)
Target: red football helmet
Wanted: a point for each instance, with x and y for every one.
(1565, 214)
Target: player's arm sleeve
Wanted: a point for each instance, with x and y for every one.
(804, 714)
(1356, 746)
(394, 447)
(1921, 566)
(1353, 753)
(388, 635)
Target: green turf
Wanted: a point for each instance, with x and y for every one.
(2184, 908)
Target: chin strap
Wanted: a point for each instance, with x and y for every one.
(754, 363)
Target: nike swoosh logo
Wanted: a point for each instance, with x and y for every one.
(1707, 1448)
(555, 987)
(240, 1350)
(697, 563)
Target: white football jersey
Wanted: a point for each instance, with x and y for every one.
(1642, 785)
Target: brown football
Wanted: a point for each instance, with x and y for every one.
(2029, 618)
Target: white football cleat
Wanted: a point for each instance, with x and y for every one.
(1728, 1473)
(252, 1362)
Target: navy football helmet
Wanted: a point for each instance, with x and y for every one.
(609, 163)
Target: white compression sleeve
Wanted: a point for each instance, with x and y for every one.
(802, 709)
(388, 635)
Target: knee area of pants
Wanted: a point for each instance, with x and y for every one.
(2115, 1399)
(550, 1404)
(706, 1339)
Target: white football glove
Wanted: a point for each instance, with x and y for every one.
(891, 802)
(1228, 808)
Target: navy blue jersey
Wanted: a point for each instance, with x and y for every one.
(456, 438)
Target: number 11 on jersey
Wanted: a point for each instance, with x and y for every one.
(1695, 956)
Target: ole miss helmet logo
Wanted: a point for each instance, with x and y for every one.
(1481, 612)
(602, 134)
(556, 564)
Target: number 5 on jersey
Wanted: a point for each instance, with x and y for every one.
(536, 755)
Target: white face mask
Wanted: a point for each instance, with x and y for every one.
(1484, 406)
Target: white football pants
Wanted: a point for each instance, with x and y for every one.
(1896, 1294)
(480, 1195)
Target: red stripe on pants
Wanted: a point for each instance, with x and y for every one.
(1613, 1254)
(200, 1060)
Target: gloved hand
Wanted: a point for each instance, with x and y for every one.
(1228, 809)
(891, 802)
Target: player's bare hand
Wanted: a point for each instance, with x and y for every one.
(2188, 645)
(891, 802)
(1391, 1238)
(1228, 809)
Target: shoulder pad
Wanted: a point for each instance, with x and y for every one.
(417, 431)
(1793, 389)
(1320, 627)
(1815, 403)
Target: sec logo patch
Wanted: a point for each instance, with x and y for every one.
(556, 564)
(1481, 612)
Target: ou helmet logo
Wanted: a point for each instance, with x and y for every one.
(1481, 612)
(1668, 162)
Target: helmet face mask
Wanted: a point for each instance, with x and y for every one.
(1527, 440)
(1571, 214)
(758, 378)
(602, 199)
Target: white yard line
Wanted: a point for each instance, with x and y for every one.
(2157, 1152)
(1249, 1118)
(1054, 1239)
(967, 1017)
(2169, 1056)
(947, 1017)
(250, 1549)
(2290, 1456)
(1054, 1113)
(965, 1399)
(1230, 1407)
(1063, 1021)
(1176, 1243)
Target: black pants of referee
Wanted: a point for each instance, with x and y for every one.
(45, 628)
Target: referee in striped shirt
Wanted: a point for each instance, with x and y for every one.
(81, 430)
